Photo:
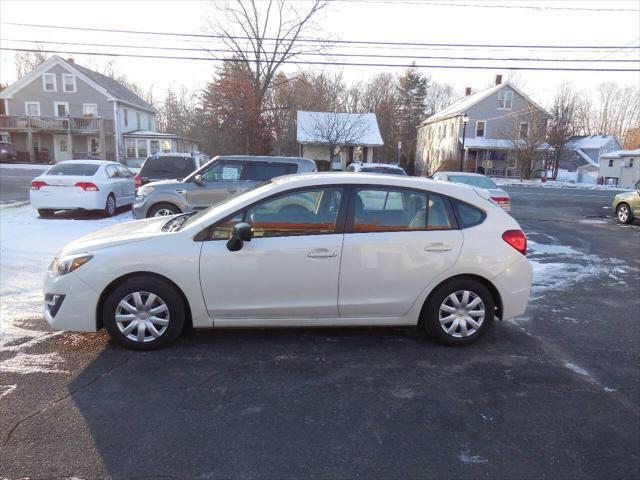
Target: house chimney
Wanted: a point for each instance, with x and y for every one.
(467, 91)
(498, 80)
(70, 60)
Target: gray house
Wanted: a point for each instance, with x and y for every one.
(586, 150)
(499, 117)
(61, 111)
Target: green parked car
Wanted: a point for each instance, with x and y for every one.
(627, 205)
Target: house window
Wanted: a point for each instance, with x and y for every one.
(69, 82)
(142, 148)
(125, 114)
(149, 122)
(480, 124)
(61, 109)
(94, 145)
(630, 162)
(611, 163)
(138, 119)
(505, 99)
(49, 82)
(154, 147)
(166, 145)
(131, 148)
(90, 109)
(524, 130)
(32, 109)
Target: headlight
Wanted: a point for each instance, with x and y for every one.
(146, 190)
(63, 265)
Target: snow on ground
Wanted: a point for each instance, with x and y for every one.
(25, 166)
(554, 184)
(27, 246)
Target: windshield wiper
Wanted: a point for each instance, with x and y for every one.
(176, 222)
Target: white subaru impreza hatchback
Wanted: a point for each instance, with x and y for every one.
(302, 250)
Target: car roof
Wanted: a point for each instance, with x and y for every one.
(465, 174)
(385, 165)
(265, 158)
(88, 161)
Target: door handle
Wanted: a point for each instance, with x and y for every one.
(437, 247)
(322, 253)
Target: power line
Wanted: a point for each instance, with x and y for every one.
(321, 41)
(343, 64)
(327, 54)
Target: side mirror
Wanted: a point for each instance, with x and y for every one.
(198, 179)
(241, 233)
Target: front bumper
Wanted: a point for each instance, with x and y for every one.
(70, 304)
(141, 206)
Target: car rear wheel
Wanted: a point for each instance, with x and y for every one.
(163, 210)
(624, 213)
(45, 212)
(110, 206)
(459, 312)
(144, 313)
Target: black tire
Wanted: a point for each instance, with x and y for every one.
(165, 292)
(623, 211)
(46, 212)
(110, 206)
(153, 211)
(431, 312)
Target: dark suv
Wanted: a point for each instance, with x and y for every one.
(212, 183)
(169, 166)
(7, 152)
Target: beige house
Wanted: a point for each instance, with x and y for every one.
(620, 168)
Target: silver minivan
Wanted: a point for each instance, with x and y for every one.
(213, 182)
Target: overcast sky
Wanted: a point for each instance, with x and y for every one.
(399, 21)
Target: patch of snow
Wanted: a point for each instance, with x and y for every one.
(25, 363)
(7, 389)
(24, 166)
(515, 182)
(576, 369)
(27, 246)
(466, 458)
(608, 389)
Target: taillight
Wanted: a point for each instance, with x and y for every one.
(87, 186)
(138, 181)
(500, 199)
(517, 239)
(37, 185)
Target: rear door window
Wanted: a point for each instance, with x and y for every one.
(74, 169)
(167, 166)
(261, 171)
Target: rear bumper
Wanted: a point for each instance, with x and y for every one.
(57, 200)
(514, 286)
(76, 311)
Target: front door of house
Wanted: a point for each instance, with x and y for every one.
(62, 149)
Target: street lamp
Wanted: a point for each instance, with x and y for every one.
(465, 120)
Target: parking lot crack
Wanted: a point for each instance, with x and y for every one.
(63, 398)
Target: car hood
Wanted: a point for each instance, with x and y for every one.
(627, 195)
(164, 183)
(135, 231)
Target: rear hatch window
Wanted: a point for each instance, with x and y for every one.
(167, 167)
(74, 169)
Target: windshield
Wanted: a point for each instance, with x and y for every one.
(388, 170)
(75, 169)
(231, 198)
(482, 182)
(167, 166)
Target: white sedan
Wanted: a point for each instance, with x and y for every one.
(301, 250)
(477, 180)
(82, 184)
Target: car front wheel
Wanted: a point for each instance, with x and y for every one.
(624, 213)
(459, 312)
(144, 313)
(163, 210)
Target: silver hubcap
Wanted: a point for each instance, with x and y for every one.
(163, 212)
(142, 316)
(111, 205)
(461, 314)
(623, 214)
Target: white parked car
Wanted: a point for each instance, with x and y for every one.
(83, 184)
(301, 250)
(386, 168)
(477, 180)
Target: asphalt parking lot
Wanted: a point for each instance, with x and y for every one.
(554, 394)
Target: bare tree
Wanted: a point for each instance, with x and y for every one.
(526, 134)
(263, 35)
(336, 130)
(562, 123)
(27, 61)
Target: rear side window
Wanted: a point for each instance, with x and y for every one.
(167, 167)
(75, 169)
(261, 171)
(468, 216)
